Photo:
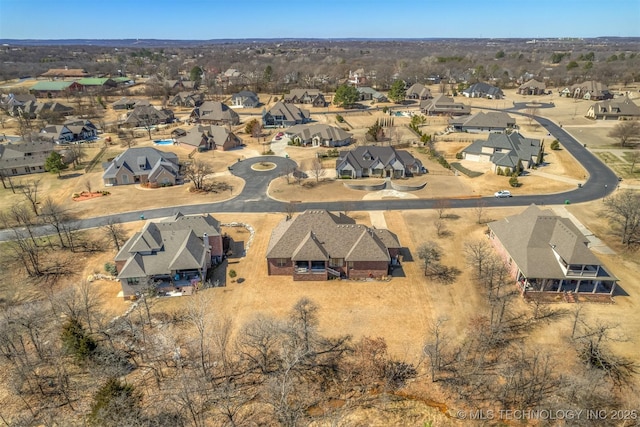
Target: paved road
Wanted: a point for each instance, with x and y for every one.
(253, 199)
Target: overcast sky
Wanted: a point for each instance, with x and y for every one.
(230, 19)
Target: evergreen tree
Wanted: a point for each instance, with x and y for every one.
(54, 163)
(397, 92)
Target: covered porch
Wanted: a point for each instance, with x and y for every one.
(593, 285)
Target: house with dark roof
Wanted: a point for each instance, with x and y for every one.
(148, 115)
(305, 96)
(73, 130)
(210, 137)
(589, 90)
(443, 105)
(170, 257)
(366, 93)
(187, 99)
(125, 103)
(319, 245)
(284, 115)
(11, 102)
(614, 109)
(483, 90)
(48, 110)
(47, 89)
(508, 152)
(215, 113)
(547, 253)
(319, 135)
(418, 91)
(24, 157)
(492, 121)
(374, 161)
(245, 99)
(142, 165)
(532, 87)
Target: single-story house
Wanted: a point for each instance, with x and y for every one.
(532, 87)
(492, 121)
(614, 109)
(25, 157)
(47, 89)
(443, 105)
(245, 99)
(369, 94)
(49, 109)
(374, 161)
(215, 113)
(319, 245)
(506, 151)
(418, 91)
(148, 115)
(11, 102)
(128, 103)
(547, 253)
(97, 83)
(319, 135)
(589, 90)
(483, 90)
(210, 137)
(187, 99)
(170, 257)
(142, 165)
(284, 115)
(305, 96)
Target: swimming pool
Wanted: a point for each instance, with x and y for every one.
(163, 141)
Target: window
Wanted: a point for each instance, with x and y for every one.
(350, 264)
(281, 262)
(336, 262)
(133, 280)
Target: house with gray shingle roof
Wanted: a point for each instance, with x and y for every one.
(283, 115)
(187, 99)
(483, 90)
(210, 137)
(374, 161)
(142, 165)
(25, 157)
(590, 90)
(72, 130)
(369, 94)
(305, 96)
(614, 109)
(443, 105)
(492, 121)
(125, 103)
(418, 91)
(548, 253)
(319, 135)
(215, 113)
(532, 87)
(171, 256)
(318, 245)
(245, 99)
(148, 115)
(508, 152)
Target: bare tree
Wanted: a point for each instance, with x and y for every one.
(78, 153)
(625, 132)
(197, 171)
(317, 169)
(477, 252)
(55, 215)
(436, 347)
(29, 190)
(430, 254)
(479, 210)
(623, 209)
(634, 158)
(87, 184)
(441, 229)
(114, 233)
(441, 206)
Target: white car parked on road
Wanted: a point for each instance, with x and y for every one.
(502, 193)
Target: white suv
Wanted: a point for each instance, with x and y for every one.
(502, 193)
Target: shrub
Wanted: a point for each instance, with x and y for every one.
(339, 118)
(459, 155)
(513, 181)
(499, 171)
(232, 273)
(110, 268)
(555, 145)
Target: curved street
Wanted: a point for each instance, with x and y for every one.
(254, 199)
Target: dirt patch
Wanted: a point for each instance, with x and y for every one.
(85, 195)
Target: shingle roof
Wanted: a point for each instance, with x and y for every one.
(512, 148)
(366, 156)
(534, 237)
(491, 119)
(289, 111)
(140, 161)
(325, 132)
(215, 111)
(616, 107)
(320, 235)
(483, 89)
(419, 90)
